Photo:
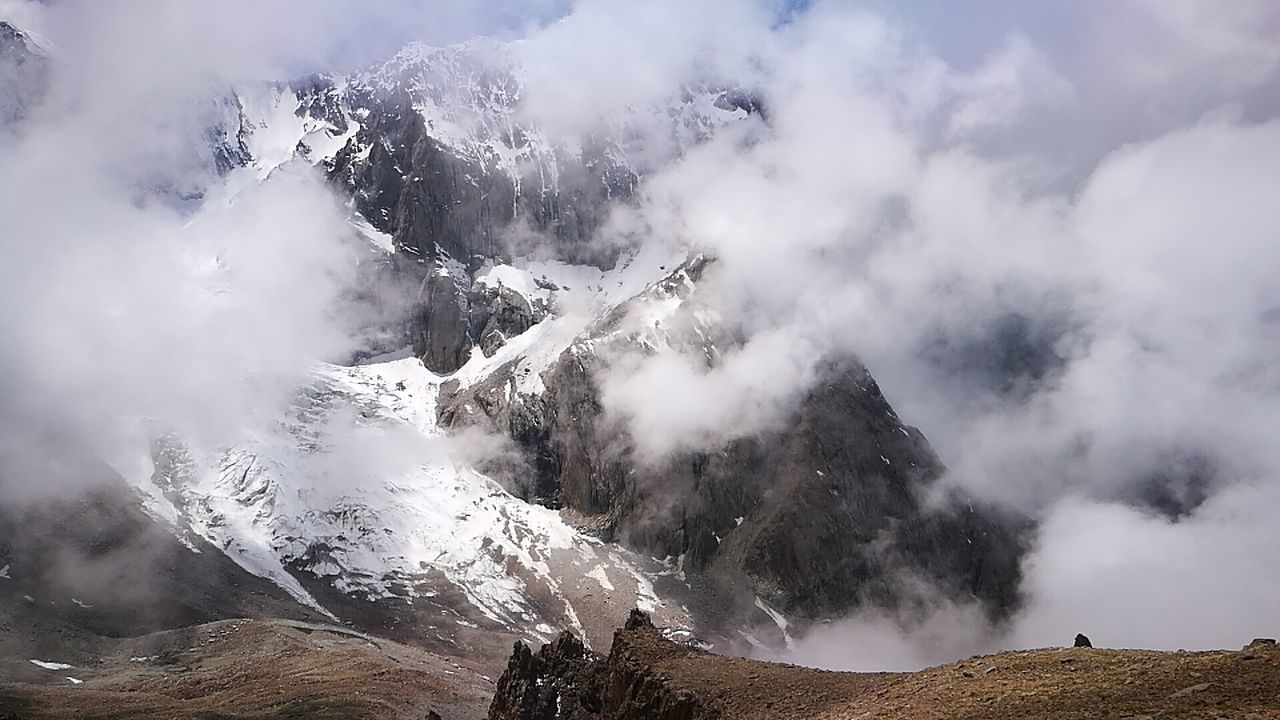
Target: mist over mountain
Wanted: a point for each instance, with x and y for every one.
(844, 334)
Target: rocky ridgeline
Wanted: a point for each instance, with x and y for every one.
(646, 676)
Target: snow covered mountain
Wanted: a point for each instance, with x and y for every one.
(357, 504)
(460, 474)
(427, 536)
(436, 145)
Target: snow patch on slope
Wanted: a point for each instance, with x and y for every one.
(276, 129)
(582, 294)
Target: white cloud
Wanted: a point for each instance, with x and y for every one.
(1127, 579)
(125, 299)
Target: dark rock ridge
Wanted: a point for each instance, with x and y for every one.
(433, 200)
(452, 316)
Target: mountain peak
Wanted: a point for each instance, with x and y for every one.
(16, 42)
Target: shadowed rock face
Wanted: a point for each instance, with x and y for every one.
(501, 313)
(820, 515)
(433, 199)
(450, 319)
(839, 513)
(441, 328)
(449, 212)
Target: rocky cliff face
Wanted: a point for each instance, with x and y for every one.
(825, 513)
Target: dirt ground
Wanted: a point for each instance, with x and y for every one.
(1081, 683)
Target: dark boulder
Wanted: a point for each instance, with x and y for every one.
(441, 333)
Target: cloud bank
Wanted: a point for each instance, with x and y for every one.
(1053, 249)
(138, 293)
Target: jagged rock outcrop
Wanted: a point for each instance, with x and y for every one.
(565, 681)
(499, 313)
(442, 159)
(452, 316)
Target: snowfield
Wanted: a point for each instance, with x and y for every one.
(357, 484)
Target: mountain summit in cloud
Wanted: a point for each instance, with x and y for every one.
(825, 334)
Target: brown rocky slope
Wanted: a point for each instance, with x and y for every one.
(245, 670)
(241, 669)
